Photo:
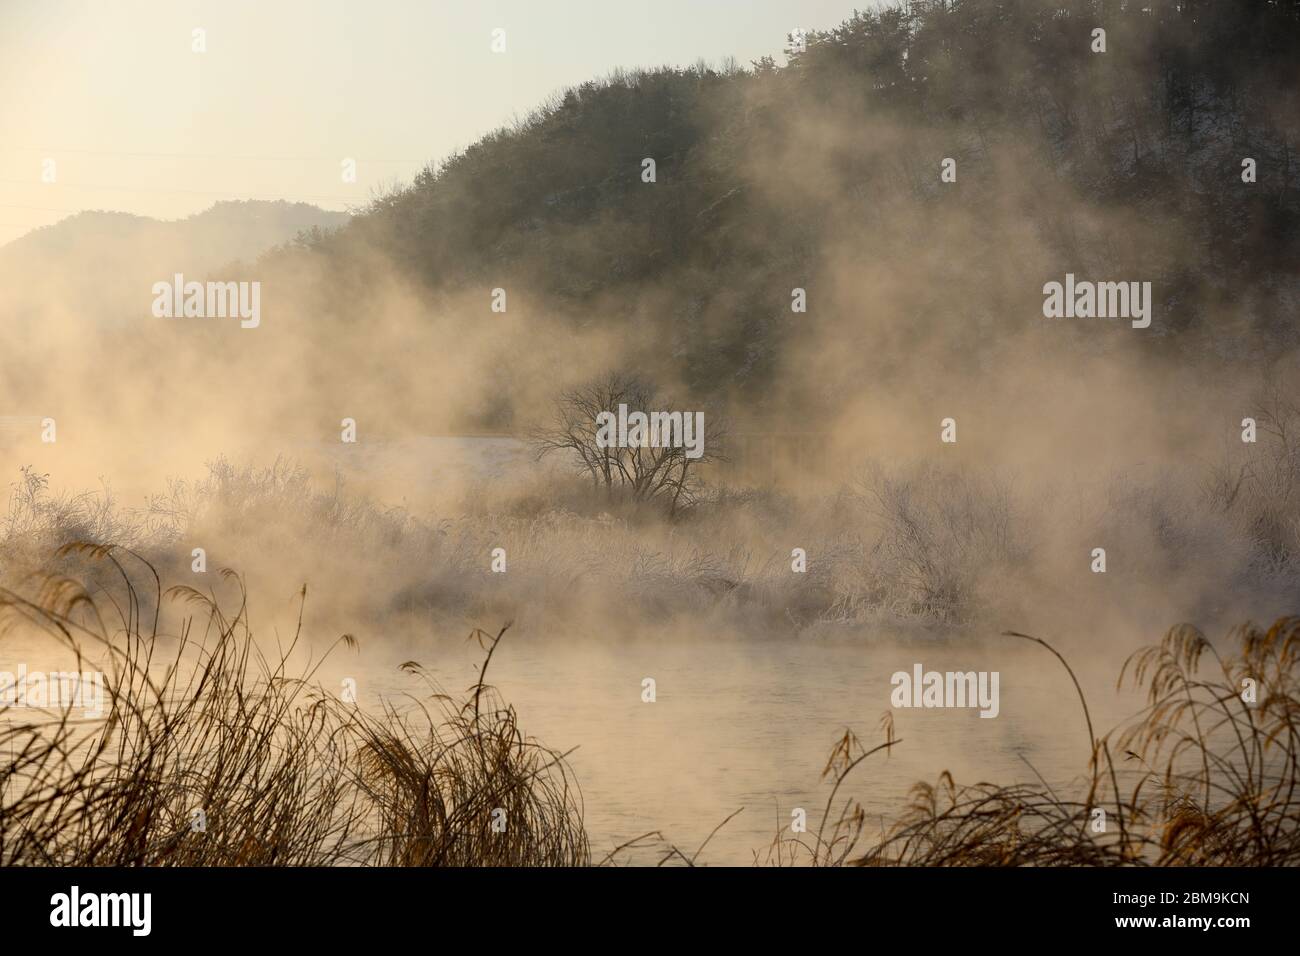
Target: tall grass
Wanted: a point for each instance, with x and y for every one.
(1259, 495)
(937, 535)
(211, 753)
(1202, 776)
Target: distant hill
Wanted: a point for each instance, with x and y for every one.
(114, 257)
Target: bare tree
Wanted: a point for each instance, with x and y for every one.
(649, 471)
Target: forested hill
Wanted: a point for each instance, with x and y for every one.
(826, 174)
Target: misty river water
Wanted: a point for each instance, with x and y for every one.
(750, 724)
(743, 723)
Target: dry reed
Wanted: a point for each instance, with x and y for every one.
(210, 753)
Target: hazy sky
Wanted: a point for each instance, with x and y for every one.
(135, 120)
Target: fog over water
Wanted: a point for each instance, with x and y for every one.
(987, 331)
